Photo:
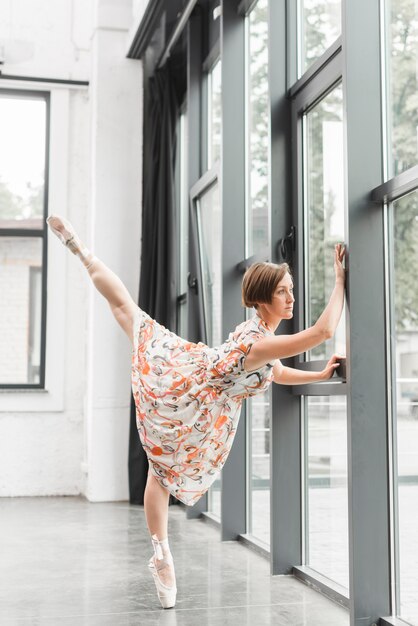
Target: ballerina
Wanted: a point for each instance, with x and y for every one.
(188, 395)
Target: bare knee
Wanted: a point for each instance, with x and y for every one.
(153, 485)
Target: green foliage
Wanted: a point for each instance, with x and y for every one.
(402, 55)
(259, 126)
(402, 79)
(10, 204)
(13, 206)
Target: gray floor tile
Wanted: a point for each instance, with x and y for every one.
(68, 561)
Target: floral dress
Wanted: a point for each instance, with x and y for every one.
(188, 401)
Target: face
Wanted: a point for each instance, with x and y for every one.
(283, 299)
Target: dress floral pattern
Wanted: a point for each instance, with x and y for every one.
(188, 398)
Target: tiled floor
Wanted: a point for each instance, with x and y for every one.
(67, 561)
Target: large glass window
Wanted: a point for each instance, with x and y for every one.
(402, 78)
(182, 199)
(257, 132)
(320, 25)
(214, 114)
(258, 242)
(325, 416)
(405, 365)
(209, 225)
(326, 497)
(23, 132)
(324, 210)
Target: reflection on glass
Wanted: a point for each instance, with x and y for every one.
(209, 220)
(324, 210)
(321, 26)
(20, 309)
(214, 114)
(405, 363)
(402, 38)
(326, 487)
(258, 217)
(22, 161)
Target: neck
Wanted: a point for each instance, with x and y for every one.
(272, 322)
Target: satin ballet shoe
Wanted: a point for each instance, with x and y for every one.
(67, 235)
(166, 594)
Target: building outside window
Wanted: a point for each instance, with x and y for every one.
(23, 176)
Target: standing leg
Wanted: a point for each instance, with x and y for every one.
(106, 282)
(156, 507)
(156, 512)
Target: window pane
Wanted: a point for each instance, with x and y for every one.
(215, 114)
(210, 243)
(321, 26)
(22, 161)
(258, 214)
(324, 210)
(405, 363)
(402, 37)
(182, 198)
(20, 309)
(209, 219)
(258, 438)
(257, 240)
(326, 487)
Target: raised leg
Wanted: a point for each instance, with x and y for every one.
(106, 282)
(112, 288)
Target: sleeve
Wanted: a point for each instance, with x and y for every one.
(232, 359)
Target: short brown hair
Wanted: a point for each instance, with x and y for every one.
(259, 282)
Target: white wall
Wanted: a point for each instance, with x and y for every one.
(72, 437)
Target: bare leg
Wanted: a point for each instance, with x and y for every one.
(106, 282)
(156, 512)
(156, 507)
(112, 288)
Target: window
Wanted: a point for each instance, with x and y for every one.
(324, 210)
(182, 201)
(209, 225)
(208, 219)
(214, 114)
(257, 130)
(258, 242)
(402, 81)
(324, 409)
(320, 22)
(23, 169)
(404, 216)
(326, 502)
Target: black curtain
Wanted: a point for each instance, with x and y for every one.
(157, 293)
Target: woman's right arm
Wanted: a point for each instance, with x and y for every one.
(283, 346)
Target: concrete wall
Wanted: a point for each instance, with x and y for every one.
(72, 437)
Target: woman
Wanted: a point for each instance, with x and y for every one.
(188, 396)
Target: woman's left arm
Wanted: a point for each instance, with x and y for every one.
(290, 376)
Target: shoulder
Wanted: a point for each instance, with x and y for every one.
(253, 328)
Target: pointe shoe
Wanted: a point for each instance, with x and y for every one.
(62, 229)
(67, 235)
(166, 594)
